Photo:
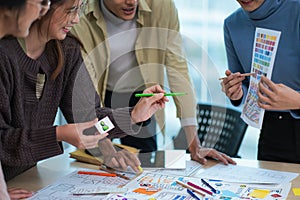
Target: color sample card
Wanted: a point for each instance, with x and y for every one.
(264, 53)
(104, 125)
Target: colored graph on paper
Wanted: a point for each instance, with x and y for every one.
(264, 53)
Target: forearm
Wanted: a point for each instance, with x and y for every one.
(192, 137)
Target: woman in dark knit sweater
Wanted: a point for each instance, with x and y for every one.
(15, 19)
(45, 71)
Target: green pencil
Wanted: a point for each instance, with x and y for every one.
(166, 94)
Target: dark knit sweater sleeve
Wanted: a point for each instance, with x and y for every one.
(81, 103)
(19, 146)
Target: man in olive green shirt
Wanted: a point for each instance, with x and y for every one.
(130, 45)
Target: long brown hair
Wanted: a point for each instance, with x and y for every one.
(58, 46)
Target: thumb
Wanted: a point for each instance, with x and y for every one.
(89, 124)
(156, 97)
(227, 72)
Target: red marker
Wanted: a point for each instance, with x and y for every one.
(97, 173)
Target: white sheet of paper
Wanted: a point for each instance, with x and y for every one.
(191, 168)
(242, 174)
(65, 186)
(166, 159)
(175, 159)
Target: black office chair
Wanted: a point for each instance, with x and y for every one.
(219, 128)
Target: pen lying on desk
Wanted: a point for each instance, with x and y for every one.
(208, 185)
(189, 187)
(193, 194)
(245, 74)
(166, 94)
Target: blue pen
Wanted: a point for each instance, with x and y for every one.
(215, 180)
(192, 194)
(207, 184)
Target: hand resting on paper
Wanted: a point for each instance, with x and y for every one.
(199, 153)
(17, 193)
(121, 160)
(202, 152)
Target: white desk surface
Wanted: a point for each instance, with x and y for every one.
(48, 171)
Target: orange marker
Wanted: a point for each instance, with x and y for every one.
(97, 173)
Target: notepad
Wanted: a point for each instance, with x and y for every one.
(169, 159)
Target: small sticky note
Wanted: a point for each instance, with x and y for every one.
(260, 194)
(104, 125)
(296, 191)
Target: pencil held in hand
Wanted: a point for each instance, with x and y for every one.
(166, 94)
(245, 74)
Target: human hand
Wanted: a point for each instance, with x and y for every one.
(121, 160)
(17, 193)
(232, 85)
(199, 153)
(73, 134)
(273, 96)
(147, 106)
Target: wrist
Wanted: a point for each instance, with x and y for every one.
(133, 114)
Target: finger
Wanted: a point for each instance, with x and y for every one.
(270, 84)
(18, 191)
(264, 105)
(121, 160)
(265, 90)
(225, 159)
(199, 159)
(19, 196)
(113, 163)
(133, 157)
(89, 124)
(232, 80)
(263, 98)
(154, 89)
(156, 98)
(227, 72)
(235, 92)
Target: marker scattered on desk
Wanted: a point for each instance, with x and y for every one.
(199, 188)
(166, 94)
(97, 173)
